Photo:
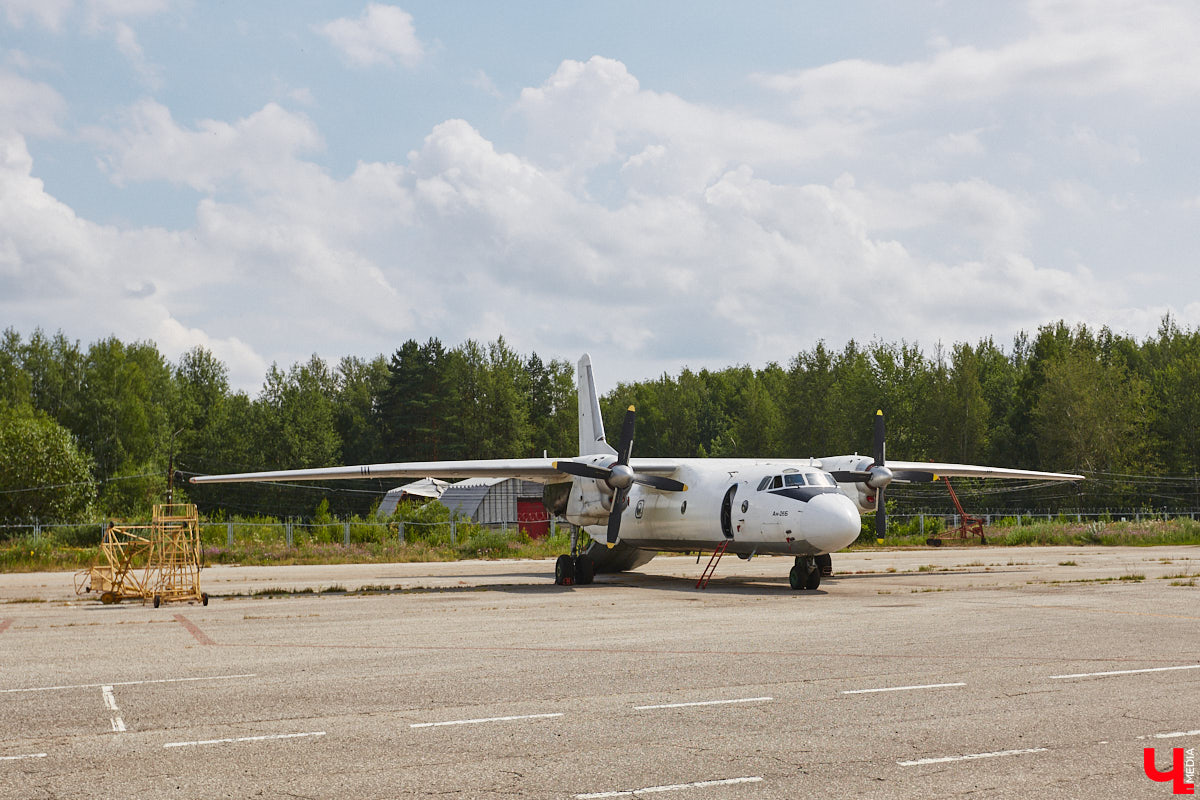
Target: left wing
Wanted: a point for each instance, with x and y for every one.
(540, 470)
(531, 469)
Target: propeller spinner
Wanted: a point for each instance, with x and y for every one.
(620, 476)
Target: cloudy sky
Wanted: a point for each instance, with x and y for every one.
(663, 184)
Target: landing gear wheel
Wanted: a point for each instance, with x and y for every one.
(108, 598)
(814, 579)
(825, 565)
(796, 578)
(564, 571)
(157, 601)
(585, 570)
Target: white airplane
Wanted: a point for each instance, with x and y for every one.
(806, 508)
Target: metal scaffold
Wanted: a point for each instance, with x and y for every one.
(159, 561)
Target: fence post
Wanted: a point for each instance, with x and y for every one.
(346, 534)
(1018, 519)
(922, 516)
(401, 531)
(553, 525)
(453, 533)
(287, 529)
(229, 533)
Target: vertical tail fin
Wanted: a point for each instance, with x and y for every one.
(591, 425)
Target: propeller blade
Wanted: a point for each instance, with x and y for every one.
(880, 433)
(626, 447)
(659, 482)
(614, 516)
(582, 470)
(880, 517)
(913, 476)
(850, 476)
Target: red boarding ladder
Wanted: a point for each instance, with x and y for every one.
(706, 576)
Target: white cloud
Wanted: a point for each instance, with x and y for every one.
(1078, 48)
(46, 13)
(258, 151)
(383, 35)
(29, 107)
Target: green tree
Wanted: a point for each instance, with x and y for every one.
(1090, 415)
(43, 473)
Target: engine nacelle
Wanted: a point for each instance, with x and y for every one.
(862, 495)
(590, 502)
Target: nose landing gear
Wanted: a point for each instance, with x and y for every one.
(806, 574)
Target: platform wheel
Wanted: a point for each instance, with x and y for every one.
(204, 598)
(108, 598)
(157, 600)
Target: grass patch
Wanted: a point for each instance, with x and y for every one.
(1067, 564)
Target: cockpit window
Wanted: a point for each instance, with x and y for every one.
(821, 479)
(794, 479)
(777, 482)
(764, 483)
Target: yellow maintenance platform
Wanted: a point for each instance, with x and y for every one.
(159, 561)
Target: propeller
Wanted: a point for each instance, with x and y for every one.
(877, 476)
(620, 476)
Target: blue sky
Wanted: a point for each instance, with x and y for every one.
(661, 184)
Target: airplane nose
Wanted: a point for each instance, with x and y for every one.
(831, 522)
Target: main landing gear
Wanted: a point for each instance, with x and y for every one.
(807, 573)
(574, 569)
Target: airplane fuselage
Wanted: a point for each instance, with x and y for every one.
(759, 507)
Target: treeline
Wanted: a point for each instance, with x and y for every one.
(101, 422)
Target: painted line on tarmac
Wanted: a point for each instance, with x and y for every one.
(484, 719)
(18, 758)
(1123, 672)
(972, 756)
(1174, 735)
(200, 635)
(706, 703)
(110, 702)
(674, 787)
(246, 739)
(131, 683)
(902, 688)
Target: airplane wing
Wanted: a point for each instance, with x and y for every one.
(925, 471)
(541, 470)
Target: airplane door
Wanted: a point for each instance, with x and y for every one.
(727, 512)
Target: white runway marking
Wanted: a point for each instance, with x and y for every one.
(706, 703)
(18, 758)
(110, 702)
(971, 757)
(902, 688)
(477, 721)
(1124, 672)
(675, 787)
(1174, 735)
(129, 683)
(246, 739)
